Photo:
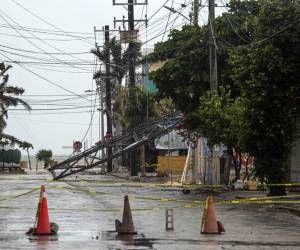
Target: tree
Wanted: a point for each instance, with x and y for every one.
(145, 106)
(120, 67)
(45, 156)
(8, 98)
(180, 78)
(145, 110)
(220, 119)
(258, 60)
(268, 72)
(185, 77)
(119, 59)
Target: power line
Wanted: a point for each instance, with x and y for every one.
(38, 47)
(55, 113)
(60, 61)
(161, 7)
(45, 79)
(91, 120)
(160, 31)
(50, 109)
(266, 38)
(60, 71)
(41, 40)
(48, 31)
(234, 28)
(45, 21)
(160, 20)
(75, 105)
(167, 21)
(56, 95)
(33, 38)
(53, 122)
(52, 63)
(45, 53)
(158, 35)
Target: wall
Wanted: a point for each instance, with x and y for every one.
(171, 163)
(295, 164)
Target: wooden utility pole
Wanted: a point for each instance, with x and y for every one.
(130, 36)
(131, 83)
(196, 12)
(108, 94)
(212, 46)
(131, 61)
(193, 142)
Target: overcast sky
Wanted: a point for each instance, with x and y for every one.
(49, 42)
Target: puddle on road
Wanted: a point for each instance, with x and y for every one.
(42, 238)
(140, 240)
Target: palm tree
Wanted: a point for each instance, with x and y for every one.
(145, 109)
(45, 156)
(118, 59)
(8, 98)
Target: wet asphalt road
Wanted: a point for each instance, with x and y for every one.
(86, 213)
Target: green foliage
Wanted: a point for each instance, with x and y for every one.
(45, 156)
(164, 105)
(128, 116)
(258, 61)
(219, 118)
(118, 59)
(180, 78)
(129, 101)
(268, 73)
(7, 99)
(6, 139)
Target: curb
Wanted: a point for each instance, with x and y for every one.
(292, 210)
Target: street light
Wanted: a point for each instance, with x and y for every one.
(175, 11)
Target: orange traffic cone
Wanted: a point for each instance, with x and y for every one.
(210, 225)
(42, 225)
(126, 227)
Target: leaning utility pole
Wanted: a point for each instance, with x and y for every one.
(108, 94)
(212, 46)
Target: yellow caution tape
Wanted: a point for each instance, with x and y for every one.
(283, 184)
(129, 183)
(87, 209)
(253, 199)
(134, 184)
(76, 189)
(163, 199)
(19, 195)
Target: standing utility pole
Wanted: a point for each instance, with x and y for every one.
(131, 61)
(130, 36)
(212, 46)
(131, 83)
(108, 94)
(193, 142)
(196, 11)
